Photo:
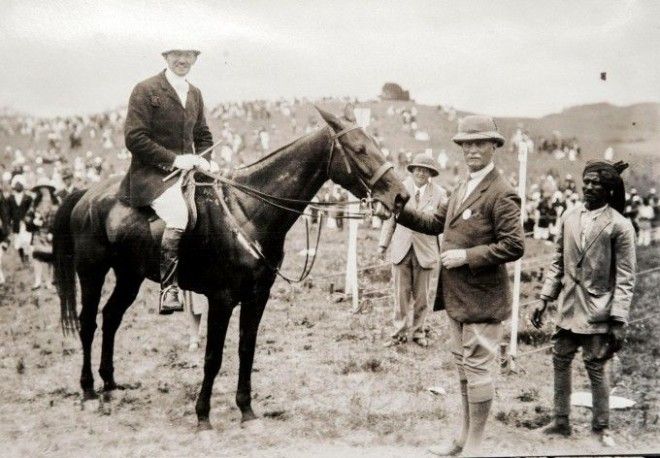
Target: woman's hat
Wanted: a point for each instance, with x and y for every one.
(477, 127)
(426, 161)
(44, 182)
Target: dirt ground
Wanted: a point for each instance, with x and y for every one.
(323, 384)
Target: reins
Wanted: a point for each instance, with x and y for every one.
(286, 203)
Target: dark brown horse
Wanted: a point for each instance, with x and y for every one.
(95, 232)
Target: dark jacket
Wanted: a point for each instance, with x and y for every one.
(487, 225)
(17, 211)
(157, 129)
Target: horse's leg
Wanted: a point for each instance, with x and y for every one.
(251, 312)
(220, 309)
(91, 285)
(126, 289)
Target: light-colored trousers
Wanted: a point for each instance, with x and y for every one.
(475, 347)
(411, 295)
(171, 207)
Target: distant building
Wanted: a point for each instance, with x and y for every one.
(392, 91)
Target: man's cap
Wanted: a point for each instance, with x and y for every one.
(67, 173)
(425, 161)
(182, 46)
(44, 182)
(477, 127)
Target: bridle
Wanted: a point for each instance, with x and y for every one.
(347, 156)
(286, 203)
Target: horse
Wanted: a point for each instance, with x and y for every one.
(231, 255)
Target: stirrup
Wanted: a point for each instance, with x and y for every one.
(166, 308)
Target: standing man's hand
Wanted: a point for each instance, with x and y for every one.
(537, 314)
(451, 259)
(618, 331)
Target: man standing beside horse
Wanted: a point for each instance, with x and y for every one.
(482, 232)
(594, 270)
(165, 125)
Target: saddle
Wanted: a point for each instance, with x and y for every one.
(157, 225)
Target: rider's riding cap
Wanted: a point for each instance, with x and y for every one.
(477, 127)
(181, 46)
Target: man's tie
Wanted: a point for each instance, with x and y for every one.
(417, 198)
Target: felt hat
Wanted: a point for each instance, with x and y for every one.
(426, 161)
(477, 127)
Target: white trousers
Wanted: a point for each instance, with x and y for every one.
(171, 207)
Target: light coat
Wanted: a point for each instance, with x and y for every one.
(594, 282)
(401, 239)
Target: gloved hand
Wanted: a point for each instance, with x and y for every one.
(618, 331)
(537, 314)
(188, 161)
(185, 161)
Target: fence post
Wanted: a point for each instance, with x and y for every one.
(515, 309)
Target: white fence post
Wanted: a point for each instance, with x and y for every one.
(515, 309)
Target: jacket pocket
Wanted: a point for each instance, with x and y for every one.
(599, 305)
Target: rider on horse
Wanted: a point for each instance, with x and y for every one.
(165, 125)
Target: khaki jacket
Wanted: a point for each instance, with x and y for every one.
(401, 239)
(596, 281)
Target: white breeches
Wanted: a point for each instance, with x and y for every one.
(171, 207)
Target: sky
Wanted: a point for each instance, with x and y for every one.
(505, 58)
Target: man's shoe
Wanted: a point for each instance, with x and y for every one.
(394, 341)
(452, 449)
(561, 428)
(169, 301)
(605, 438)
(421, 341)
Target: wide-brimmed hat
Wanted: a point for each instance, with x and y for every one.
(477, 127)
(182, 47)
(426, 161)
(44, 182)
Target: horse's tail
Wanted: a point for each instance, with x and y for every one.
(63, 262)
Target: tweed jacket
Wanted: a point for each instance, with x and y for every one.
(402, 239)
(487, 225)
(157, 129)
(594, 282)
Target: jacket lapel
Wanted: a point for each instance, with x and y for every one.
(574, 225)
(455, 198)
(603, 220)
(474, 195)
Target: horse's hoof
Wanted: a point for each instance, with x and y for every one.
(248, 416)
(113, 386)
(254, 426)
(204, 425)
(89, 395)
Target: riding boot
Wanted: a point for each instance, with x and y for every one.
(169, 260)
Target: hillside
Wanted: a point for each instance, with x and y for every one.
(632, 131)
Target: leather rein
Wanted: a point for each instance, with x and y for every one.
(287, 204)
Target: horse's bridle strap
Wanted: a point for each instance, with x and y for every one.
(382, 170)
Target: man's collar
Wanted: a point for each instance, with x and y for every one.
(421, 189)
(595, 212)
(173, 78)
(482, 173)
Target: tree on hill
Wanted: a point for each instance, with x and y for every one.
(392, 91)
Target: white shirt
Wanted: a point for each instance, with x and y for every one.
(475, 179)
(180, 85)
(587, 219)
(420, 191)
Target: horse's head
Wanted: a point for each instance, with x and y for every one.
(357, 164)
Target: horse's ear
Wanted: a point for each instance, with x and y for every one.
(331, 119)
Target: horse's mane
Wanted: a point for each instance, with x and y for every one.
(264, 158)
